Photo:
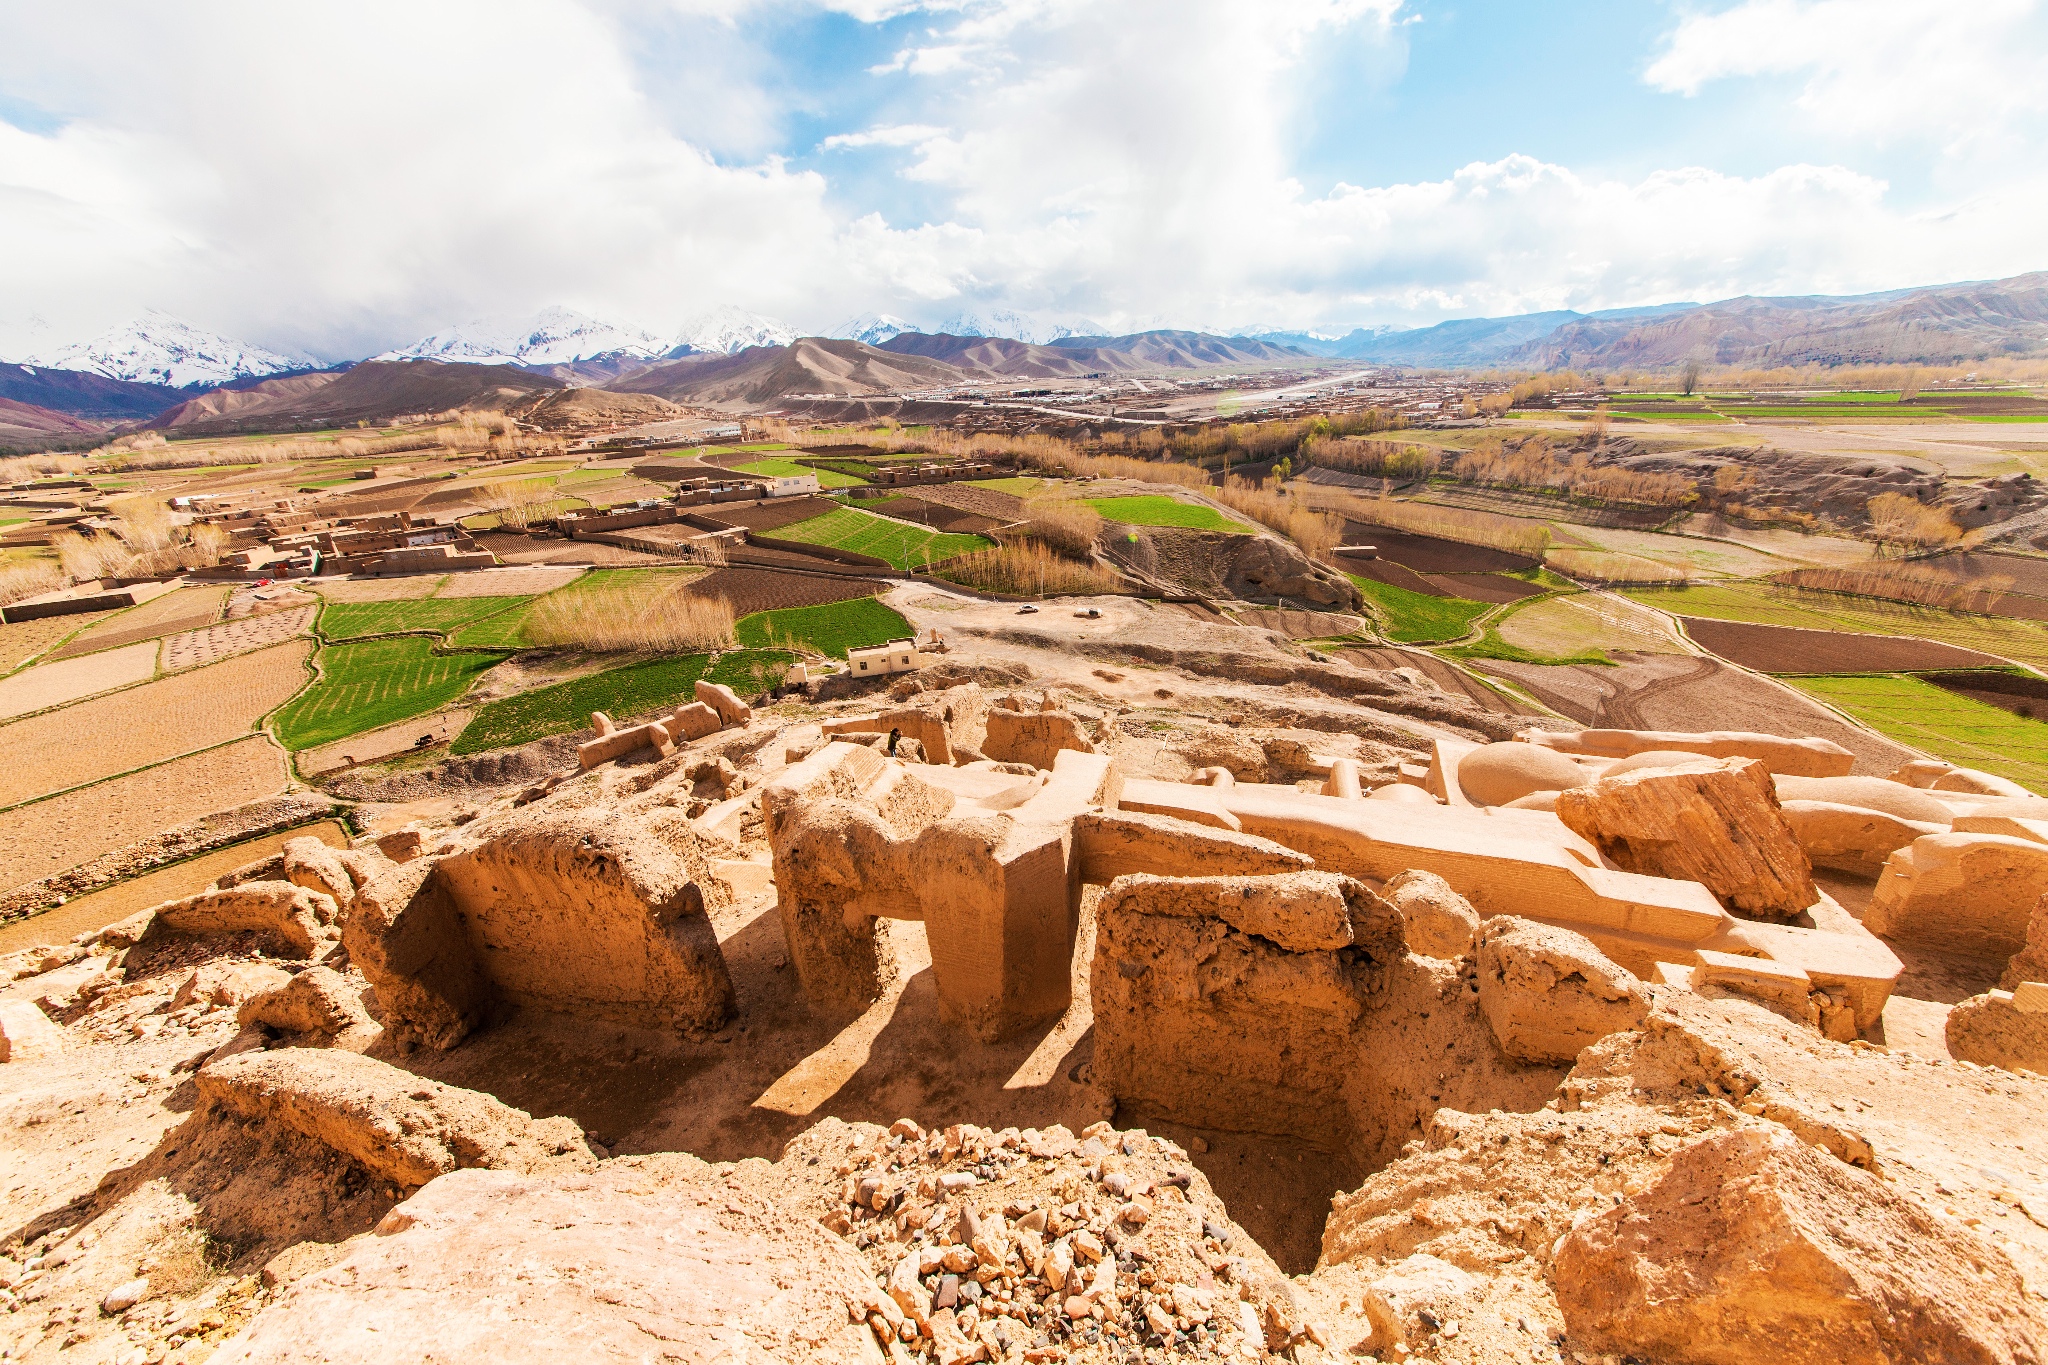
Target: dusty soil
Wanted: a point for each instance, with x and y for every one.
(768, 516)
(184, 609)
(373, 745)
(936, 515)
(1788, 649)
(1484, 587)
(98, 909)
(260, 601)
(66, 680)
(1300, 625)
(45, 838)
(1690, 693)
(21, 641)
(1431, 554)
(751, 590)
(518, 549)
(395, 589)
(987, 502)
(150, 723)
(1590, 620)
(216, 642)
(1397, 575)
(1439, 672)
(507, 582)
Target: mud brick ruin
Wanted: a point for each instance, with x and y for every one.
(1585, 1034)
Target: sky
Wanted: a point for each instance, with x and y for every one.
(332, 180)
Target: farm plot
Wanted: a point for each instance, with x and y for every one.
(54, 684)
(515, 582)
(1791, 649)
(766, 517)
(1480, 587)
(181, 610)
(376, 682)
(621, 693)
(1002, 499)
(595, 592)
(1770, 605)
(147, 724)
(114, 903)
(790, 469)
(1433, 554)
(198, 647)
(21, 641)
(832, 629)
(899, 545)
(1929, 718)
(1414, 618)
(44, 838)
(355, 620)
(936, 515)
(752, 590)
(380, 589)
(1158, 509)
(1588, 621)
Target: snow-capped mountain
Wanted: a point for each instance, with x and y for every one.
(874, 328)
(553, 336)
(157, 348)
(1015, 326)
(728, 329)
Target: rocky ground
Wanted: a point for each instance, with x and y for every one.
(216, 1148)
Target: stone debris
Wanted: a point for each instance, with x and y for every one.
(27, 1034)
(1440, 922)
(1715, 822)
(2002, 1028)
(1754, 1246)
(1548, 993)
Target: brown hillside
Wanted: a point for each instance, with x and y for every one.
(764, 374)
(375, 390)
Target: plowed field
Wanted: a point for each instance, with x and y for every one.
(752, 590)
(184, 609)
(53, 684)
(767, 516)
(379, 589)
(147, 724)
(1788, 649)
(24, 640)
(48, 837)
(522, 582)
(198, 647)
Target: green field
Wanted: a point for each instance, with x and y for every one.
(373, 683)
(790, 469)
(353, 620)
(830, 629)
(1771, 605)
(1413, 618)
(1962, 730)
(904, 547)
(622, 693)
(1157, 509)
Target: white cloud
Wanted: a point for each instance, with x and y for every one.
(893, 135)
(1133, 163)
(1957, 73)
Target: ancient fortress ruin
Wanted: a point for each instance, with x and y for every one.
(1567, 1046)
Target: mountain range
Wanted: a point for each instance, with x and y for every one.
(158, 367)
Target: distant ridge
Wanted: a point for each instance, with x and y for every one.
(760, 375)
(75, 393)
(374, 391)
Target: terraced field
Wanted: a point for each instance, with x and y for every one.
(790, 469)
(21, 641)
(441, 615)
(376, 682)
(831, 629)
(180, 610)
(634, 690)
(1157, 509)
(1771, 605)
(1937, 721)
(1416, 618)
(901, 546)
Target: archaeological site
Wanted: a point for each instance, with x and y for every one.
(1014, 1009)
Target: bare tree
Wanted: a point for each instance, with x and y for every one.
(1689, 378)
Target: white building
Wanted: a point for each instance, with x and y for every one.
(898, 656)
(793, 486)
